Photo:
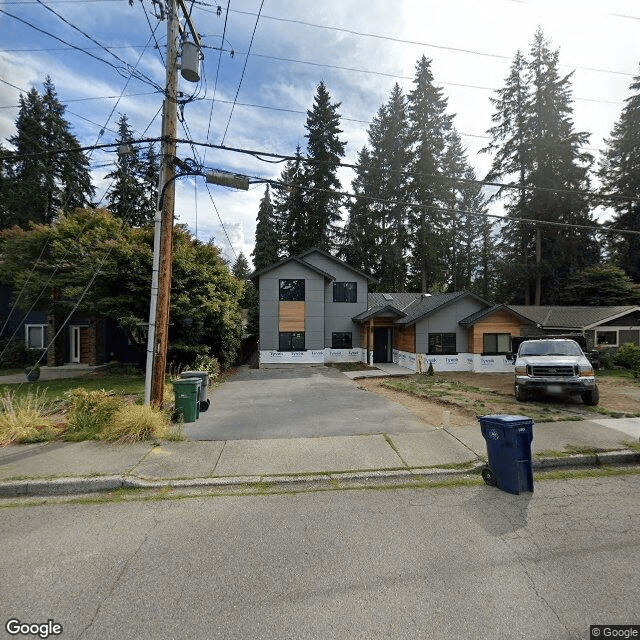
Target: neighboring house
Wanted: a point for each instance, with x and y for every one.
(601, 326)
(90, 340)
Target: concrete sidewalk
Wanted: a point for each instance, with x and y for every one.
(59, 468)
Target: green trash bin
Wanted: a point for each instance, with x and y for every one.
(187, 398)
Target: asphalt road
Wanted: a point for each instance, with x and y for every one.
(430, 563)
(297, 403)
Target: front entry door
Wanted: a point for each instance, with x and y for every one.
(381, 343)
(74, 344)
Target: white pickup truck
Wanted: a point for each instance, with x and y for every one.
(554, 367)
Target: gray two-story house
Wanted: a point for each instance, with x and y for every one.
(307, 306)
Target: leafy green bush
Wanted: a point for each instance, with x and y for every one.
(25, 418)
(14, 354)
(628, 356)
(89, 413)
(208, 364)
(134, 423)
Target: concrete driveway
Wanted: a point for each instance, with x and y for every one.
(296, 403)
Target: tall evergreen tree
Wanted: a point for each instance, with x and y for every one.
(537, 144)
(510, 144)
(390, 151)
(50, 172)
(325, 149)
(131, 195)
(360, 246)
(620, 174)
(290, 210)
(428, 129)
(265, 252)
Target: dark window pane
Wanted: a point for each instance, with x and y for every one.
(341, 340)
(494, 343)
(444, 343)
(292, 290)
(345, 292)
(291, 341)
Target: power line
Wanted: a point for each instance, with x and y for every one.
(139, 76)
(244, 68)
(215, 86)
(405, 41)
(417, 205)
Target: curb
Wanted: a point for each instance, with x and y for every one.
(83, 485)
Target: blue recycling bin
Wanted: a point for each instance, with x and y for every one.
(508, 441)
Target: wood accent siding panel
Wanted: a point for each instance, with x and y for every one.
(291, 316)
(405, 339)
(500, 322)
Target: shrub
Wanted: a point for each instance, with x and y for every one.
(14, 354)
(89, 413)
(208, 364)
(430, 371)
(628, 356)
(135, 423)
(25, 418)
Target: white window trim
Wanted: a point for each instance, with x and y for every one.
(26, 335)
(608, 330)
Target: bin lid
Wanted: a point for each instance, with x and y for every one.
(187, 382)
(203, 375)
(505, 421)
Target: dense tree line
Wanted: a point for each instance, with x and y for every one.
(417, 218)
(52, 239)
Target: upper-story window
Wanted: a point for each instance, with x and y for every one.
(345, 292)
(292, 290)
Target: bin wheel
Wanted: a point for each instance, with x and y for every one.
(205, 404)
(489, 477)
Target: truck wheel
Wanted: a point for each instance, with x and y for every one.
(521, 396)
(591, 398)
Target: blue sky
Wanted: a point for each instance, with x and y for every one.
(359, 49)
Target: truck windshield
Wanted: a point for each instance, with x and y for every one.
(550, 348)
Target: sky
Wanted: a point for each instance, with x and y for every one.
(358, 48)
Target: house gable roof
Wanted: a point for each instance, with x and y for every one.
(256, 274)
(377, 311)
(430, 304)
(557, 317)
(300, 259)
(469, 321)
(342, 263)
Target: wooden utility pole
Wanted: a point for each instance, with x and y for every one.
(167, 194)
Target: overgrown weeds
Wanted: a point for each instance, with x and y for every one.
(26, 418)
(134, 423)
(89, 413)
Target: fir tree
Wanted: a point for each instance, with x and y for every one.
(265, 252)
(290, 209)
(536, 143)
(389, 138)
(429, 126)
(360, 246)
(240, 269)
(325, 149)
(620, 174)
(49, 173)
(131, 196)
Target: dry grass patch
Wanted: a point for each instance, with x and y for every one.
(136, 422)
(26, 418)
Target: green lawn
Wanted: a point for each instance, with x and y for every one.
(54, 390)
